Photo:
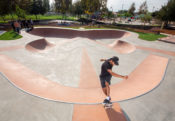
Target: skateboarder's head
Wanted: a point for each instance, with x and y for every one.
(114, 60)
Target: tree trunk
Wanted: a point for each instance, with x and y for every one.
(144, 24)
(36, 16)
(166, 23)
(162, 26)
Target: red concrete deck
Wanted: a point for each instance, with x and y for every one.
(88, 75)
(143, 79)
(69, 33)
(171, 53)
(11, 48)
(97, 113)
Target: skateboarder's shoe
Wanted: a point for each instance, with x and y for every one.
(105, 101)
(109, 98)
(107, 104)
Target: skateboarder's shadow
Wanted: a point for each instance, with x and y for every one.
(116, 116)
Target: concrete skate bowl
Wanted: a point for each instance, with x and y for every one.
(69, 33)
(122, 47)
(39, 45)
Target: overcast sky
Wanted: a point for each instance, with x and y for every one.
(116, 5)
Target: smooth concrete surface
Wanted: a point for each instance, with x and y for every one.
(2, 32)
(15, 105)
(66, 56)
(40, 86)
(157, 105)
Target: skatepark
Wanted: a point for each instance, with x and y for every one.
(53, 74)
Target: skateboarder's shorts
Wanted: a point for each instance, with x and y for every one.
(105, 79)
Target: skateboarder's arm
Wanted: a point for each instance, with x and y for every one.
(117, 75)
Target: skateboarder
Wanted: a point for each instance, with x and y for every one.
(106, 75)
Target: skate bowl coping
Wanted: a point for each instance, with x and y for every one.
(38, 45)
(70, 33)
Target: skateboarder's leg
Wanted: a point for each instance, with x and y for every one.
(104, 90)
(105, 82)
(102, 80)
(107, 89)
(107, 85)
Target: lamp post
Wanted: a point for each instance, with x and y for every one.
(153, 8)
(122, 9)
(112, 14)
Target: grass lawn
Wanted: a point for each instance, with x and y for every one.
(150, 36)
(10, 35)
(3, 22)
(39, 17)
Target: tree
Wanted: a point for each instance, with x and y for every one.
(9, 7)
(166, 13)
(143, 8)
(155, 14)
(127, 14)
(46, 5)
(68, 4)
(77, 9)
(91, 6)
(103, 7)
(37, 7)
(20, 12)
(4, 9)
(172, 9)
(132, 9)
(146, 18)
(110, 14)
(60, 6)
(63, 6)
(24, 5)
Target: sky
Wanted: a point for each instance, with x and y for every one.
(115, 5)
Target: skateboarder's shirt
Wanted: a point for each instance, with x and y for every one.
(105, 66)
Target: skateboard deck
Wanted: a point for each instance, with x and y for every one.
(106, 105)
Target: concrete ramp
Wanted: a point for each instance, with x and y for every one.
(39, 45)
(122, 47)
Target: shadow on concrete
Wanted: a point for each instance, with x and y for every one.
(116, 116)
(126, 116)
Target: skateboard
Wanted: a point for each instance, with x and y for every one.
(106, 105)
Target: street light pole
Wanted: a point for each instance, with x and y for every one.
(122, 8)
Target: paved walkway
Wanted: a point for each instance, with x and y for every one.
(2, 32)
